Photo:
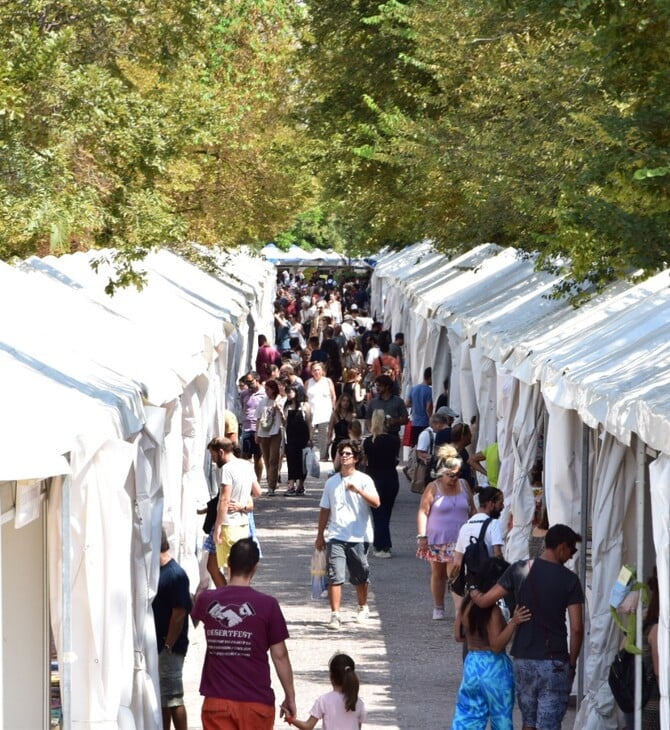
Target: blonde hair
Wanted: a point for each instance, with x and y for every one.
(377, 423)
(446, 451)
(448, 465)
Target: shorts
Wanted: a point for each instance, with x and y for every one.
(249, 445)
(170, 669)
(486, 692)
(353, 555)
(542, 690)
(220, 714)
(208, 544)
(230, 534)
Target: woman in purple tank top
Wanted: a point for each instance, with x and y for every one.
(446, 504)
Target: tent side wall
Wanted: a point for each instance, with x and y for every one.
(25, 632)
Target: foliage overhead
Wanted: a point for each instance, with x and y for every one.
(543, 125)
(133, 124)
(529, 123)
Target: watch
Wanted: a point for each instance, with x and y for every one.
(422, 537)
(167, 648)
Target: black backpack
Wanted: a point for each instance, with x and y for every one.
(476, 554)
(622, 681)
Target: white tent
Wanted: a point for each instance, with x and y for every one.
(125, 393)
(605, 366)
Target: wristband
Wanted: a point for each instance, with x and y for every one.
(422, 537)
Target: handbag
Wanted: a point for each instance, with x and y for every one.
(210, 517)
(457, 585)
(267, 417)
(421, 478)
(621, 680)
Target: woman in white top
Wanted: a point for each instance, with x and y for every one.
(321, 397)
(270, 415)
(296, 330)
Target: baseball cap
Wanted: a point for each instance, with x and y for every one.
(446, 411)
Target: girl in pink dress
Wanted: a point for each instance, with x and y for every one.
(341, 709)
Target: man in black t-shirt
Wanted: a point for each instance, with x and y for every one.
(171, 608)
(544, 662)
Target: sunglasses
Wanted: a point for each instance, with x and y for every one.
(346, 453)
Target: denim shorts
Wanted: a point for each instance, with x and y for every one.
(170, 669)
(353, 555)
(542, 690)
(208, 543)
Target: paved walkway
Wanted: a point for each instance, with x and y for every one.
(408, 664)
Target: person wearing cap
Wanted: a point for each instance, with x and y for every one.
(544, 661)
(449, 414)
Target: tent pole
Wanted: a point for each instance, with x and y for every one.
(66, 593)
(639, 519)
(583, 528)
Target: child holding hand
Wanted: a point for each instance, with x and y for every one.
(340, 709)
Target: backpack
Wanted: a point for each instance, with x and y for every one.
(476, 553)
(622, 681)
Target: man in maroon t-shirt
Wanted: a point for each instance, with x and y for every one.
(267, 355)
(241, 626)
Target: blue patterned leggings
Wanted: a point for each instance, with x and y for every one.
(486, 692)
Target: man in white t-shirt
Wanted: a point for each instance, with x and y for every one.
(345, 511)
(238, 479)
(491, 502)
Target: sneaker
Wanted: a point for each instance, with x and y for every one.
(363, 614)
(438, 614)
(382, 554)
(271, 492)
(334, 624)
(290, 492)
(300, 490)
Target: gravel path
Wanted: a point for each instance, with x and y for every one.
(408, 664)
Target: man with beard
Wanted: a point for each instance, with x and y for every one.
(490, 505)
(393, 405)
(250, 397)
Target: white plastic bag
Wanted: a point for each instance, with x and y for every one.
(318, 569)
(311, 463)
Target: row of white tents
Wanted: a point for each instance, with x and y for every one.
(107, 406)
(296, 257)
(587, 389)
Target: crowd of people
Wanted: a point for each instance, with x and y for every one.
(331, 390)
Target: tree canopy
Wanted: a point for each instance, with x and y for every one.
(132, 124)
(535, 124)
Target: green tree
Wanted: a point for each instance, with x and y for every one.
(536, 124)
(138, 124)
